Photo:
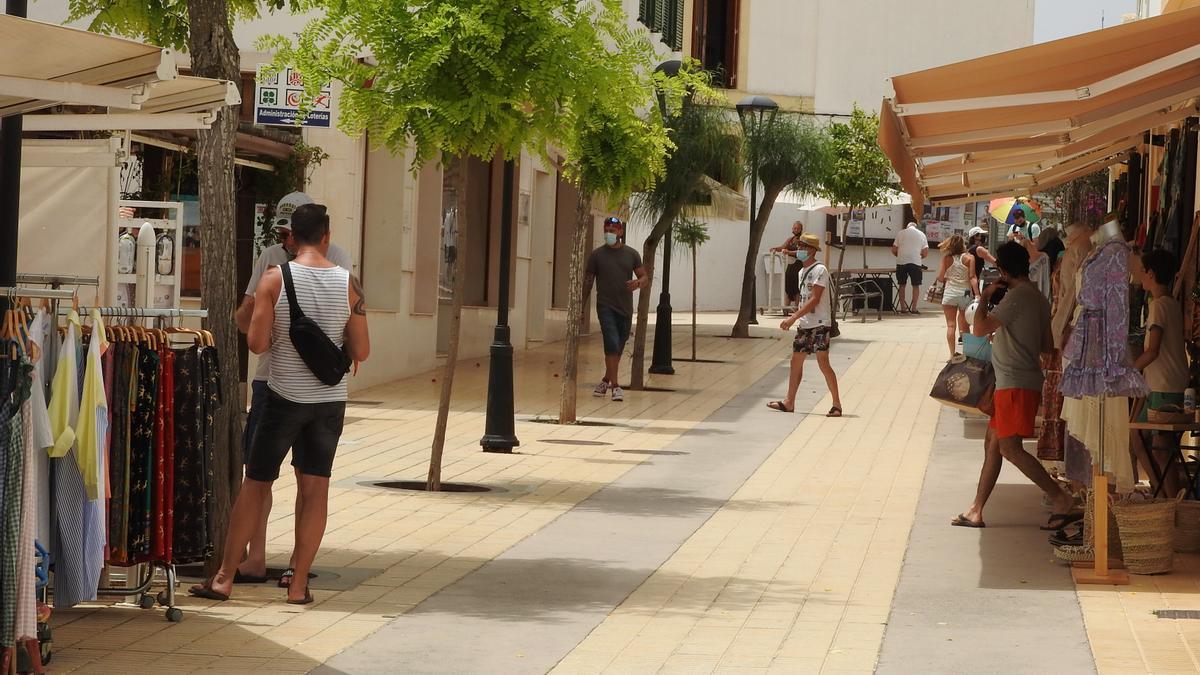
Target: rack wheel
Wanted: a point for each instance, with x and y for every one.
(45, 642)
(146, 601)
(162, 598)
(174, 614)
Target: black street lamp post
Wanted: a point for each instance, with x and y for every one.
(660, 360)
(751, 111)
(500, 433)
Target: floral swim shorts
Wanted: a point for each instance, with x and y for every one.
(811, 340)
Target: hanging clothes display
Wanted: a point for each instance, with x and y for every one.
(1098, 377)
(1051, 444)
(88, 464)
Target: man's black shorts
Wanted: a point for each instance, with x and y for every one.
(310, 430)
(905, 273)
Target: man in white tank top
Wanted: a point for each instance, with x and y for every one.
(301, 413)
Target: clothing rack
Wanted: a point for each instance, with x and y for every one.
(10, 292)
(145, 579)
(57, 280)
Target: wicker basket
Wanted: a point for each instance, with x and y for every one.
(1147, 534)
(1114, 535)
(1072, 553)
(1187, 527)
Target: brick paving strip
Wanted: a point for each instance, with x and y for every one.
(796, 573)
(527, 608)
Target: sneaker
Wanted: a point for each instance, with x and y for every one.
(618, 394)
(601, 389)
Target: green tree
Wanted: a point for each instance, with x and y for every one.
(791, 154)
(204, 28)
(456, 79)
(859, 174)
(707, 143)
(692, 233)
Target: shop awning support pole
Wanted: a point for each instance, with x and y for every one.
(10, 181)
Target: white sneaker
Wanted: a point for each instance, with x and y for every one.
(618, 394)
(600, 390)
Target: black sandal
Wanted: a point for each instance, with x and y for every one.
(306, 600)
(834, 412)
(1060, 520)
(205, 590)
(778, 406)
(961, 520)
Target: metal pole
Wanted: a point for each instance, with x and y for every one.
(10, 181)
(500, 433)
(661, 359)
(753, 216)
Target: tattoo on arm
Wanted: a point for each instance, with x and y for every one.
(360, 304)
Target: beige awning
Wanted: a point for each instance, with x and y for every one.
(44, 64)
(1028, 119)
(723, 202)
(181, 103)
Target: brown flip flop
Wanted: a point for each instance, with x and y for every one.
(778, 406)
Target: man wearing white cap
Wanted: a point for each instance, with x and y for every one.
(254, 568)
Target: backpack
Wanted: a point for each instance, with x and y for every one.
(327, 361)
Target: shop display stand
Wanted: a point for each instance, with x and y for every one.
(166, 597)
(1102, 571)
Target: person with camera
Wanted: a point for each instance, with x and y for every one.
(310, 315)
(1019, 315)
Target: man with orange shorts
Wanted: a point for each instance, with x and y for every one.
(1021, 322)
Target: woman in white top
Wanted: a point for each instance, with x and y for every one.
(958, 275)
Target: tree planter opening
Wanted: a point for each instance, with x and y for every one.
(654, 452)
(420, 486)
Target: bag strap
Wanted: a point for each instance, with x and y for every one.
(288, 286)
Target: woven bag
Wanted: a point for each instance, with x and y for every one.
(1147, 534)
(1089, 517)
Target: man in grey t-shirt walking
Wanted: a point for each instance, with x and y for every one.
(617, 271)
(1021, 322)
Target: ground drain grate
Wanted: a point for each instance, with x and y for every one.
(364, 402)
(568, 441)
(419, 486)
(653, 452)
(1177, 613)
(578, 423)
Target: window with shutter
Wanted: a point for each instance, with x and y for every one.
(646, 13)
(660, 16)
(676, 40)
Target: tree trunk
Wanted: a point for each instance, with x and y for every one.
(637, 378)
(741, 327)
(693, 303)
(214, 54)
(841, 259)
(459, 167)
(575, 309)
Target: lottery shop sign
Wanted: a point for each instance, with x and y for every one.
(277, 100)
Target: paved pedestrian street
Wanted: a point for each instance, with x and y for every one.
(683, 531)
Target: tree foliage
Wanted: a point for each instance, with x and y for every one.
(462, 77)
(163, 22)
(784, 152)
(690, 232)
(859, 173)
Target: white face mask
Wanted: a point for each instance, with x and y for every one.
(610, 238)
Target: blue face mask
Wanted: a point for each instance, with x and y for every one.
(610, 238)
(803, 255)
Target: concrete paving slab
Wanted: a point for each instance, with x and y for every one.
(526, 609)
(981, 601)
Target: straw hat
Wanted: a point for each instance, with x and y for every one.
(811, 240)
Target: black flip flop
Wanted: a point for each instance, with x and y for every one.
(306, 600)
(778, 406)
(961, 520)
(834, 412)
(206, 591)
(285, 579)
(1060, 520)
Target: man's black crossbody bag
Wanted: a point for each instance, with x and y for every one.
(326, 360)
